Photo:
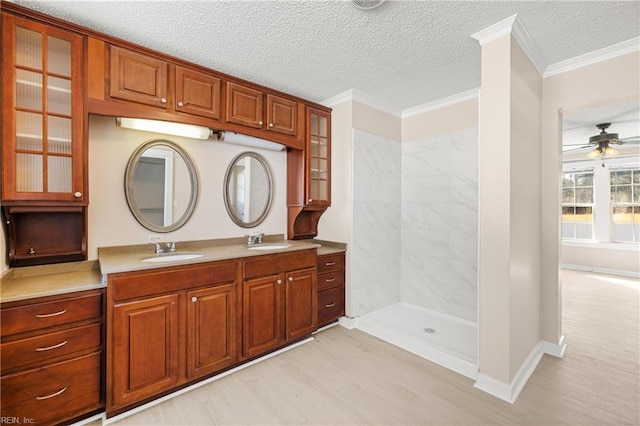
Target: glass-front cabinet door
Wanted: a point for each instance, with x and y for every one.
(42, 128)
(318, 157)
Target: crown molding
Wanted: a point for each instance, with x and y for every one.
(623, 48)
(513, 26)
(355, 95)
(497, 30)
(441, 103)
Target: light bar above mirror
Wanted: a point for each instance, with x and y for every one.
(165, 127)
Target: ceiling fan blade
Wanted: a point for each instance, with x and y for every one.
(575, 144)
(567, 148)
(631, 139)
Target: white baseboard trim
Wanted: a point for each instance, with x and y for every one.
(106, 421)
(632, 274)
(348, 322)
(555, 349)
(100, 416)
(509, 392)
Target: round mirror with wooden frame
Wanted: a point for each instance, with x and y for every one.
(161, 185)
(248, 189)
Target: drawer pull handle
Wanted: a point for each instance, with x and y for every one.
(330, 305)
(329, 280)
(330, 263)
(40, 398)
(55, 314)
(59, 345)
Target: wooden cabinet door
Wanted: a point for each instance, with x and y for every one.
(138, 78)
(211, 330)
(282, 115)
(262, 321)
(197, 93)
(145, 349)
(318, 159)
(42, 113)
(244, 105)
(302, 303)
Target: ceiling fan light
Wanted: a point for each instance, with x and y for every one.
(611, 152)
(595, 153)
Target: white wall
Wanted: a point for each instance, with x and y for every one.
(440, 223)
(110, 221)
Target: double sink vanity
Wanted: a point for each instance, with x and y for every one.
(82, 338)
(134, 326)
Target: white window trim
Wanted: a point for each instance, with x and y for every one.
(601, 199)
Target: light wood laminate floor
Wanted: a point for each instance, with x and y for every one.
(346, 377)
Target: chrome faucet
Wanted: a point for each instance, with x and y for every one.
(254, 239)
(165, 247)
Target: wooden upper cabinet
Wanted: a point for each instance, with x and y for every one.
(318, 157)
(42, 113)
(244, 105)
(282, 115)
(138, 78)
(197, 93)
(254, 108)
(150, 81)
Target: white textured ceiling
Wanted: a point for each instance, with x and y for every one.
(403, 53)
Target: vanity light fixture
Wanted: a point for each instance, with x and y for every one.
(244, 140)
(165, 127)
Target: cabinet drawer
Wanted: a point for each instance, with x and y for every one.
(331, 262)
(48, 346)
(330, 305)
(48, 314)
(55, 393)
(143, 284)
(330, 280)
(271, 264)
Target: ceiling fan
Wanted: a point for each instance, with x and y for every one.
(601, 143)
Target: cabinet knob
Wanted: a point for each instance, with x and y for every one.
(278, 281)
(310, 200)
(77, 194)
(180, 104)
(270, 124)
(194, 299)
(290, 279)
(163, 100)
(260, 122)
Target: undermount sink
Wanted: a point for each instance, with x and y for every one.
(268, 246)
(172, 257)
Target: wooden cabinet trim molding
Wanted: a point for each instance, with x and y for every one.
(129, 285)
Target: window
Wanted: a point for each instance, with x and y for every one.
(577, 205)
(625, 204)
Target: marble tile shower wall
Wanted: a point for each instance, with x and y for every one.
(439, 260)
(375, 247)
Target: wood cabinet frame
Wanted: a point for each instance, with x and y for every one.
(162, 302)
(279, 300)
(52, 350)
